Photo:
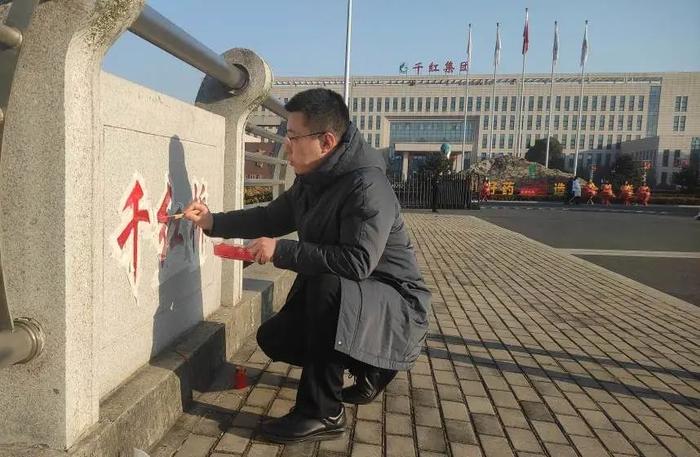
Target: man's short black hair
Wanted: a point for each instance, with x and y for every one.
(324, 110)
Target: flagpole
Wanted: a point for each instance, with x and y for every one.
(584, 55)
(466, 92)
(347, 55)
(521, 101)
(493, 91)
(551, 96)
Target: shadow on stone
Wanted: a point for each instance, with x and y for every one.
(583, 381)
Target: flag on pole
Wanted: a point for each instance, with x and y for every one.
(526, 35)
(555, 48)
(584, 46)
(497, 52)
(469, 47)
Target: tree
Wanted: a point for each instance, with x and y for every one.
(538, 151)
(436, 164)
(624, 169)
(687, 178)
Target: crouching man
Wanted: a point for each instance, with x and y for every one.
(359, 301)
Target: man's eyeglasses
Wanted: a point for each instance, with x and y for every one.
(292, 138)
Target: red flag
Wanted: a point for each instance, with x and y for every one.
(526, 35)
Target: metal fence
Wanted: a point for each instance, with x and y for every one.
(426, 190)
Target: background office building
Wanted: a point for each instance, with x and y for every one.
(652, 116)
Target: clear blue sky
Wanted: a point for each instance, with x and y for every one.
(307, 37)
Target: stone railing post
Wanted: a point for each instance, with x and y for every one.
(51, 240)
(235, 106)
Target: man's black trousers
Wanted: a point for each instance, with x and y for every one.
(303, 334)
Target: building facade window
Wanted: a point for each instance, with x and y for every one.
(379, 105)
(363, 104)
(594, 103)
(603, 102)
(613, 100)
(371, 105)
(557, 103)
(622, 102)
(540, 103)
(453, 104)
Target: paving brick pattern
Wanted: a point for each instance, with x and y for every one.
(531, 352)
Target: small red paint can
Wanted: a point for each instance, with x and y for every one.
(233, 252)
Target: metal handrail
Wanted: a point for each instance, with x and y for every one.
(255, 157)
(158, 30)
(262, 132)
(161, 32)
(263, 182)
(10, 37)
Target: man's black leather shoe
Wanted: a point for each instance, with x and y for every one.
(296, 427)
(369, 382)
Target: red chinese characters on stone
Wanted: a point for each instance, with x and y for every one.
(433, 67)
(449, 67)
(200, 195)
(169, 235)
(131, 229)
(418, 67)
(463, 66)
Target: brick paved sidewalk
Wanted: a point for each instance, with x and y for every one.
(531, 352)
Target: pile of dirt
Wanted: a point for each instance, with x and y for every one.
(515, 169)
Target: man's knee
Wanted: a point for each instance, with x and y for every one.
(322, 288)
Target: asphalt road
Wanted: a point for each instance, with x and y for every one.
(663, 228)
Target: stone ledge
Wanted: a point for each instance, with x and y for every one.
(145, 406)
